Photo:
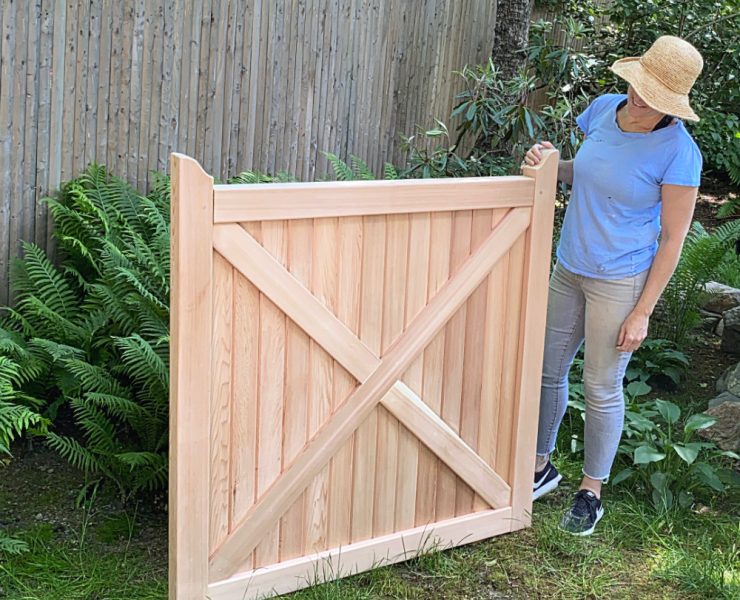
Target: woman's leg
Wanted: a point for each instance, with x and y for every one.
(608, 303)
(563, 336)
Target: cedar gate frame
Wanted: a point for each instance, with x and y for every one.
(355, 372)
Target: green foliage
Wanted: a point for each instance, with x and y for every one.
(657, 361)
(357, 169)
(18, 413)
(666, 459)
(573, 66)
(11, 545)
(730, 208)
(702, 260)
(92, 334)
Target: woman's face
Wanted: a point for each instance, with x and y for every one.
(638, 109)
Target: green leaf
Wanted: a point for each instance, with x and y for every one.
(687, 453)
(669, 411)
(659, 481)
(638, 388)
(647, 454)
(708, 476)
(685, 499)
(699, 421)
(623, 475)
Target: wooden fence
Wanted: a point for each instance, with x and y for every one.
(355, 372)
(238, 84)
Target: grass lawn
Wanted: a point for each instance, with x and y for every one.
(99, 552)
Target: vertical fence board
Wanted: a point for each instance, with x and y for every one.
(239, 84)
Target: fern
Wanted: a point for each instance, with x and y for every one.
(701, 259)
(15, 417)
(731, 207)
(342, 171)
(11, 545)
(92, 332)
(390, 172)
(360, 170)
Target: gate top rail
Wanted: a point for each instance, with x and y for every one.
(274, 201)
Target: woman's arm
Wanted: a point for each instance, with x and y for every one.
(565, 167)
(675, 220)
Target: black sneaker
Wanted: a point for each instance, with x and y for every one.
(582, 517)
(546, 480)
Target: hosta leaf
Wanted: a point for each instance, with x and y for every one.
(669, 411)
(688, 454)
(646, 454)
(699, 421)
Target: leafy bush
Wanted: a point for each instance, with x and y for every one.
(573, 67)
(657, 361)
(703, 258)
(95, 328)
(665, 457)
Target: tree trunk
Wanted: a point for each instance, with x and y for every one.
(511, 35)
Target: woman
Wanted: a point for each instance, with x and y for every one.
(634, 184)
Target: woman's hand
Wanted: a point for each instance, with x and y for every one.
(534, 154)
(633, 332)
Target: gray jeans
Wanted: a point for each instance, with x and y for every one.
(582, 308)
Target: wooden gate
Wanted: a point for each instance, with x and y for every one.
(355, 372)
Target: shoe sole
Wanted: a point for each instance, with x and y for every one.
(548, 487)
(599, 514)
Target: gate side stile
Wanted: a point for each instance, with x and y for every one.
(191, 248)
(532, 334)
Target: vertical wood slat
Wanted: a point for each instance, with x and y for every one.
(221, 399)
(473, 366)
(298, 371)
(416, 297)
(393, 300)
(245, 403)
(349, 244)
(371, 319)
(324, 286)
(239, 84)
(271, 390)
(432, 391)
(454, 353)
(190, 323)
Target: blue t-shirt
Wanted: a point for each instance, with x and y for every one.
(612, 223)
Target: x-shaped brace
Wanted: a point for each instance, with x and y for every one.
(379, 378)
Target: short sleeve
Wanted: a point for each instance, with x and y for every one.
(585, 119)
(685, 166)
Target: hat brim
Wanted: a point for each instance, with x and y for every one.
(655, 94)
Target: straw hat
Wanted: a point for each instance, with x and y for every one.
(663, 76)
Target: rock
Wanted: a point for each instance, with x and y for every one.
(723, 397)
(709, 321)
(722, 298)
(729, 381)
(726, 431)
(731, 331)
(720, 329)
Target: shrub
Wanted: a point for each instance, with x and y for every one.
(665, 457)
(702, 260)
(607, 31)
(95, 328)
